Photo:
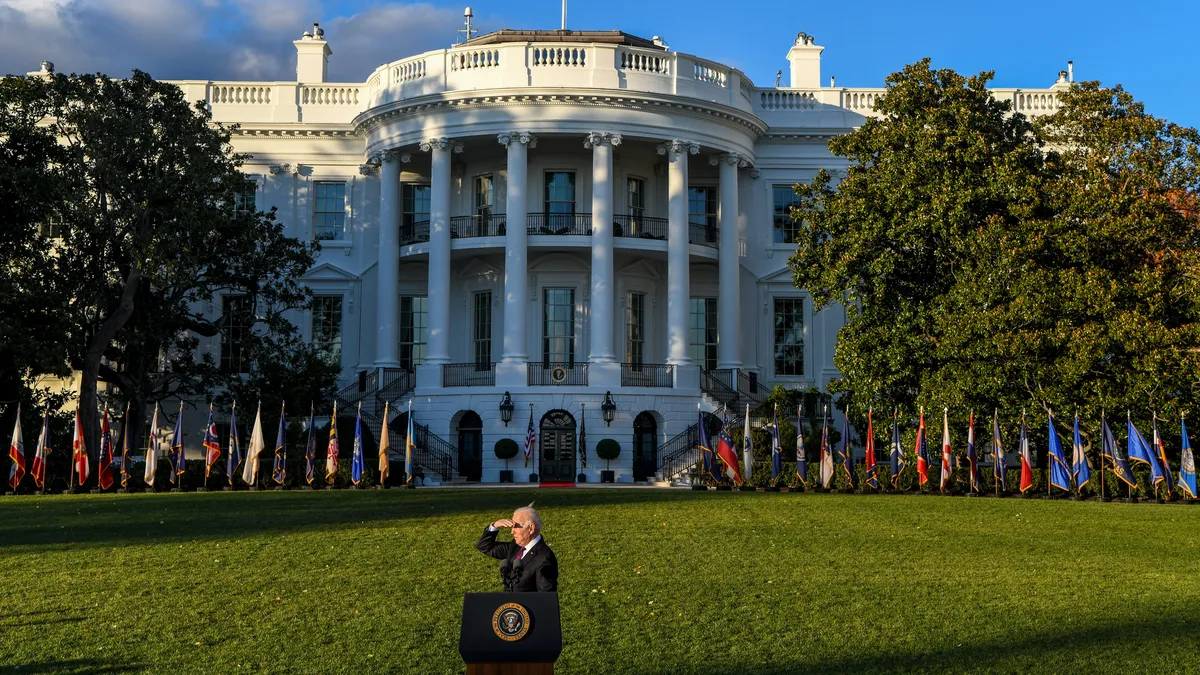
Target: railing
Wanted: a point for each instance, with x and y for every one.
(567, 374)
(781, 99)
(560, 223)
(240, 94)
(405, 71)
(469, 375)
(679, 457)
(658, 63)
(559, 56)
(642, 227)
(465, 227)
(703, 235)
(727, 385)
(333, 94)
(474, 58)
(394, 383)
(364, 385)
(647, 375)
(434, 452)
(414, 233)
(709, 72)
(862, 102)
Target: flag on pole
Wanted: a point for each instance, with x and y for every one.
(279, 470)
(727, 455)
(747, 449)
(703, 443)
(79, 456)
(257, 445)
(16, 453)
(176, 451)
(776, 449)
(1187, 463)
(582, 438)
(152, 451)
(947, 458)
(872, 475)
(1138, 450)
(922, 452)
(1026, 458)
(1110, 452)
(331, 452)
(999, 459)
(310, 447)
(410, 443)
(235, 447)
(104, 473)
(530, 435)
(212, 444)
(801, 460)
(357, 461)
(385, 444)
(826, 468)
(972, 459)
(847, 452)
(897, 451)
(1160, 452)
(1081, 469)
(127, 441)
(41, 454)
(1060, 473)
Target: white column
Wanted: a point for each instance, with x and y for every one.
(678, 272)
(602, 327)
(516, 268)
(438, 339)
(387, 302)
(729, 352)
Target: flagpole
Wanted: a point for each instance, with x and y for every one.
(1102, 495)
(1048, 458)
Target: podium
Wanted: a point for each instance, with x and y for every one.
(510, 633)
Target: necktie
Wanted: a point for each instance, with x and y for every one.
(521, 554)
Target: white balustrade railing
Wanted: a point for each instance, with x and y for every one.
(475, 58)
(1034, 104)
(405, 71)
(710, 73)
(558, 56)
(645, 61)
(861, 101)
(240, 94)
(329, 94)
(787, 99)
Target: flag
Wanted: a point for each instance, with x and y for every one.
(1160, 452)
(1026, 459)
(410, 443)
(1138, 450)
(726, 454)
(1080, 468)
(922, 452)
(1187, 464)
(872, 476)
(235, 447)
(176, 451)
(385, 444)
(279, 470)
(776, 450)
(41, 454)
(152, 450)
(310, 448)
(999, 460)
(897, 451)
(257, 446)
(212, 444)
(582, 439)
(947, 458)
(1060, 473)
(801, 460)
(126, 445)
(104, 473)
(702, 442)
(530, 436)
(16, 452)
(331, 452)
(972, 459)
(826, 452)
(847, 452)
(747, 449)
(1109, 451)
(79, 456)
(357, 461)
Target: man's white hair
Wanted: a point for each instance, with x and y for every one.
(529, 514)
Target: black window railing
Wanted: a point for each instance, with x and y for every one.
(550, 374)
(478, 225)
(647, 375)
(414, 233)
(703, 234)
(640, 227)
(560, 224)
(469, 375)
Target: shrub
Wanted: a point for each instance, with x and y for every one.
(608, 449)
(506, 449)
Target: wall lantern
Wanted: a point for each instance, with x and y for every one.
(506, 409)
(609, 408)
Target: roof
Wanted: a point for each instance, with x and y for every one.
(615, 37)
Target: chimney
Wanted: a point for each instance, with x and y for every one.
(805, 57)
(1070, 71)
(312, 56)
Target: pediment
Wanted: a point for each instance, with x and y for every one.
(639, 268)
(480, 268)
(780, 276)
(328, 272)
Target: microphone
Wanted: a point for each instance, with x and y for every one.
(518, 567)
(506, 576)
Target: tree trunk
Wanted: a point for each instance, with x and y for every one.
(100, 341)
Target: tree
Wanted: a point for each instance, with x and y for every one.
(989, 262)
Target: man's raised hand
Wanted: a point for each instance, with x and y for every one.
(503, 523)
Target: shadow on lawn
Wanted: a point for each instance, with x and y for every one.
(74, 667)
(108, 520)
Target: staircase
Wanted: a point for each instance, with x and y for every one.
(680, 456)
(730, 386)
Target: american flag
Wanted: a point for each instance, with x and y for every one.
(212, 445)
(530, 437)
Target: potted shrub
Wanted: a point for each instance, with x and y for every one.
(607, 449)
(506, 449)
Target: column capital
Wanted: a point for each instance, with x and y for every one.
(523, 137)
(732, 158)
(368, 169)
(677, 147)
(442, 143)
(600, 138)
(380, 156)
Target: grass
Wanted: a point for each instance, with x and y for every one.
(652, 581)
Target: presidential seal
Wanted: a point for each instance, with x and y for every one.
(510, 622)
(558, 374)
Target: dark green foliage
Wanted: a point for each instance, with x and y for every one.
(608, 449)
(506, 448)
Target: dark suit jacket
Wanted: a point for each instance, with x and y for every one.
(540, 571)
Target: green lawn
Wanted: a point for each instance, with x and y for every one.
(651, 581)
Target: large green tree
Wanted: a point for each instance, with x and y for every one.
(990, 262)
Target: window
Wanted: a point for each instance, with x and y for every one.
(559, 207)
(702, 332)
(415, 214)
(236, 319)
(244, 200)
(702, 214)
(329, 216)
(789, 336)
(784, 198)
(483, 330)
(484, 196)
(636, 198)
(327, 327)
(558, 326)
(414, 330)
(635, 329)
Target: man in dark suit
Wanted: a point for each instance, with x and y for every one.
(526, 564)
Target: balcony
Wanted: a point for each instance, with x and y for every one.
(414, 233)
(478, 225)
(647, 375)
(703, 234)
(578, 224)
(640, 227)
(469, 375)
(560, 224)
(553, 374)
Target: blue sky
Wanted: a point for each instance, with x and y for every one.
(1149, 46)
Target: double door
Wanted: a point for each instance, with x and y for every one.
(558, 446)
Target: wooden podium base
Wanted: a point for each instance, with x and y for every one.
(510, 669)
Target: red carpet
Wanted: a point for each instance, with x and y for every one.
(557, 484)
